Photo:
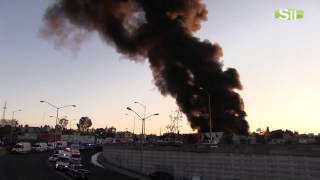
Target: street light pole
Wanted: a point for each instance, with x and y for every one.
(210, 116)
(142, 134)
(57, 116)
(144, 115)
(134, 122)
(13, 113)
(15, 124)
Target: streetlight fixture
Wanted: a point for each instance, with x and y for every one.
(13, 113)
(57, 116)
(143, 119)
(210, 116)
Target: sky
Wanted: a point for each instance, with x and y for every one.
(278, 62)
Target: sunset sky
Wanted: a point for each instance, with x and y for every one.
(278, 62)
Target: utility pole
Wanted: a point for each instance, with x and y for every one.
(4, 110)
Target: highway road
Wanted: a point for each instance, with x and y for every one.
(34, 166)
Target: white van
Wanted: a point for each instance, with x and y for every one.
(40, 147)
(22, 147)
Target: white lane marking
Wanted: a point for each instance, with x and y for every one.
(94, 160)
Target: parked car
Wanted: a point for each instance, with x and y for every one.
(161, 176)
(22, 147)
(63, 162)
(40, 147)
(77, 171)
(54, 157)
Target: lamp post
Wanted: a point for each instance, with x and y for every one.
(142, 134)
(57, 116)
(15, 124)
(134, 122)
(13, 113)
(210, 117)
(144, 115)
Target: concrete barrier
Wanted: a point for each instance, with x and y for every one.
(225, 162)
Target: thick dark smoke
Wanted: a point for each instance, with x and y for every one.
(160, 31)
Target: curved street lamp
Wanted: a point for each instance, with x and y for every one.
(134, 122)
(144, 114)
(13, 113)
(143, 119)
(57, 116)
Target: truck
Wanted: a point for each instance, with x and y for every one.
(40, 147)
(22, 147)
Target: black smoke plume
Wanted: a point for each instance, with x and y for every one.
(160, 31)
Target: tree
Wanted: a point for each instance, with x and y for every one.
(100, 133)
(84, 124)
(175, 118)
(111, 132)
(63, 122)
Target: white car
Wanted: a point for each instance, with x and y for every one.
(63, 162)
(54, 157)
(51, 145)
(22, 147)
(40, 147)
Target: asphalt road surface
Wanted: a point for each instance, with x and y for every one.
(35, 166)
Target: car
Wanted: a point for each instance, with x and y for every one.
(161, 176)
(77, 171)
(51, 145)
(62, 163)
(54, 157)
(90, 146)
(61, 144)
(40, 147)
(22, 147)
(75, 156)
